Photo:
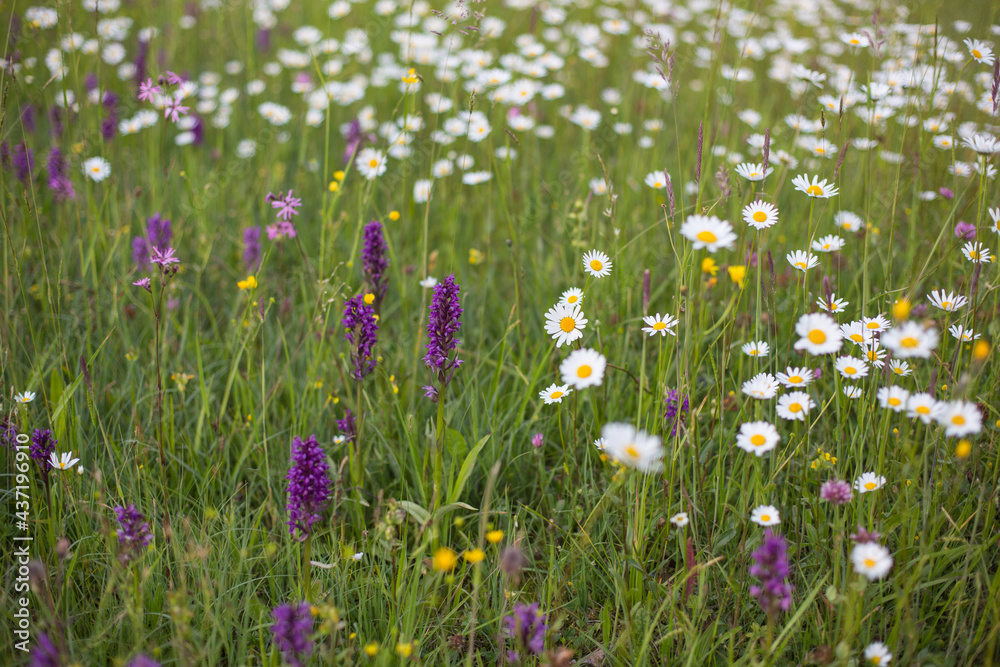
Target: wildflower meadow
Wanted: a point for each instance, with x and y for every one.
(529, 332)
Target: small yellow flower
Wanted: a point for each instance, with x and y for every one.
(411, 77)
(901, 309)
(738, 275)
(404, 649)
(249, 283)
(709, 266)
(474, 556)
(394, 215)
(494, 536)
(371, 650)
(458, 522)
(963, 449)
(475, 257)
(334, 186)
(338, 175)
(369, 299)
(445, 560)
(981, 350)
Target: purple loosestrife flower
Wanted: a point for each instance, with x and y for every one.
(44, 653)
(59, 182)
(293, 623)
(836, 492)
(347, 427)
(361, 331)
(133, 535)
(771, 568)
(527, 627)
(251, 248)
(308, 486)
(140, 62)
(442, 326)
(375, 257)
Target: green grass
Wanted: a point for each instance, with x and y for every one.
(601, 557)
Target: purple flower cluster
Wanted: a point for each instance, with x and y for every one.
(143, 660)
(134, 534)
(965, 230)
(59, 181)
(251, 248)
(863, 536)
(293, 624)
(771, 568)
(673, 410)
(308, 486)
(361, 331)
(527, 627)
(8, 432)
(347, 427)
(354, 138)
(23, 160)
(159, 234)
(375, 257)
(43, 443)
(442, 326)
(287, 206)
(45, 653)
(836, 492)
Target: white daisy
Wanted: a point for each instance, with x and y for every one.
(554, 393)
(893, 398)
(583, 368)
(959, 418)
(761, 386)
(850, 391)
(819, 334)
(874, 354)
(977, 253)
(660, 325)
(833, 304)
(877, 653)
(708, 232)
(900, 368)
(24, 397)
(64, 461)
(634, 448)
(911, 340)
(753, 171)
(802, 260)
(796, 377)
(597, 264)
(851, 368)
(794, 406)
(869, 481)
(876, 324)
(760, 214)
(572, 296)
(765, 515)
(757, 437)
(680, 519)
(848, 221)
(816, 188)
(958, 332)
(756, 348)
(565, 323)
(97, 169)
(656, 180)
(871, 559)
(829, 243)
(922, 406)
(371, 163)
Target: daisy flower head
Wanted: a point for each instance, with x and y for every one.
(757, 437)
(794, 406)
(760, 214)
(833, 304)
(371, 163)
(753, 171)
(893, 398)
(815, 188)
(818, 334)
(761, 386)
(765, 515)
(900, 368)
(977, 253)
(709, 232)
(583, 368)
(877, 653)
(874, 354)
(554, 393)
(756, 348)
(796, 377)
(851, 368)
(656, 180)
(632, 447)
(572, 296)
(802, 260)
(981, 142)
(565, 323)
(828, 243)
(995, 216)
(24, 397)
(848, 221)
(680, 519)
(958, 332)
(97, 169)
(959, 418)
(876, 324)
(872, 560)
(600, 444)
(869, 481)
(597, 264)
(911, 339)
(980, 51)
(851, 391)
(64, 461)
(655, 324)
(922, 406)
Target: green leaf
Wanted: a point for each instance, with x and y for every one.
(463, 474)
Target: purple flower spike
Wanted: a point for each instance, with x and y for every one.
(771, 568)
(134, 535)
(375, 257)
(527, 627)
(293, 624)
(251, 248)
(442, 326)
(347, 427)
(361, 331)
(308, 486)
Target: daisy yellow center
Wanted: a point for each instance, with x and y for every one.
(857, 338)
(765, 517)
(596, 264)
(850, 370)
(855, 41)
(817, 336)
(894, 401)
(869, 563)
(909, 341)
(876, 660)
(826, 246)
(757, 440)
(707, 237)
(556, 394)
(795, 407)
(872, 355)
(373, 163)
(753, 353)
(814, 190)
(923, 410)
(958, 420)
(872, 325)
(660, 326)
(584, 371)
(897, 370)
(759, 216)
(567, 324)
(632, 452)
(795, 379)
(571, 299)
(754, 174)
(820, 149)
(801, 265)
(977, 54)
(870, 486)
(946, 304)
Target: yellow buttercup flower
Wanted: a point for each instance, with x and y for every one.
(709, 266)
(445, 560)
(411, 76)
(369, 299)
(494, 536)
(249, 283)
(981, 350)
(338, 175)
(394, 215)
(738, 275)
(901, 309)
(475, 257)
(963, 449)
(404, 649)
(334, 186)
(474, 556)
(371, 650)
